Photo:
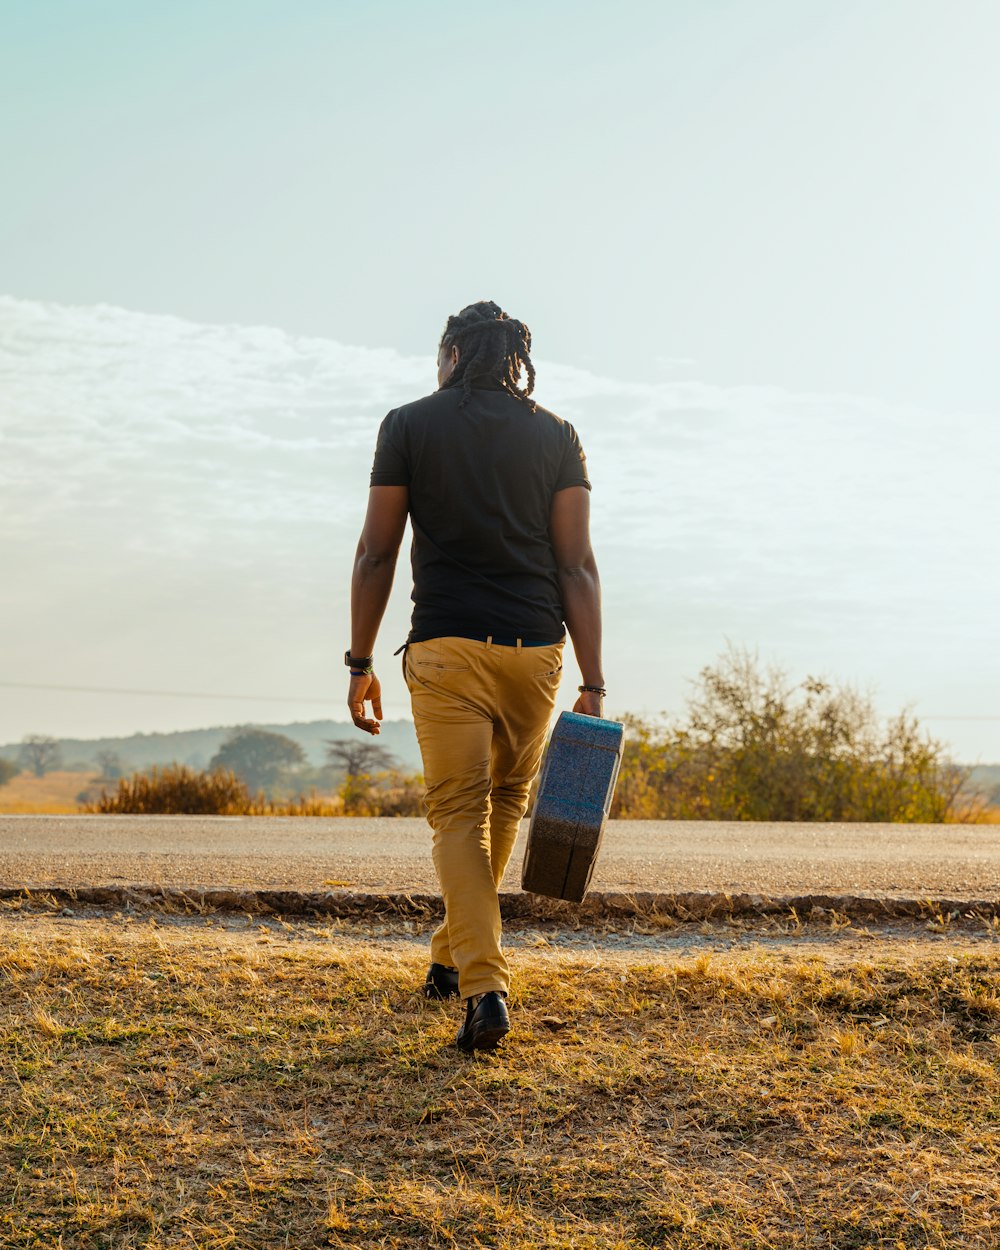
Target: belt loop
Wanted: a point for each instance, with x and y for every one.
(519, 644)
(489, 641)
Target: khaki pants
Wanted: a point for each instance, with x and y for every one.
(481, 712)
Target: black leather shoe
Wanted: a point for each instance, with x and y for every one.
(485, 1025)
(442, 982)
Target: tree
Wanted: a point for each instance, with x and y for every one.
(258, 756)
(40, 754)
(8, 770)
(111, 765)
(372, 785)
(359, 759)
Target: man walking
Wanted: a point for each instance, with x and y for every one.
(497, 493)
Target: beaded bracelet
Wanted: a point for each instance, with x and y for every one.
(593, 690)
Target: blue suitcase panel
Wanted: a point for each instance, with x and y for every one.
(574, 797)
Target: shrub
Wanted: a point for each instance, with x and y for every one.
(180, 790)
(389, 793)
(757, 747)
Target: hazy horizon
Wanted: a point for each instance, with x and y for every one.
(292, 729)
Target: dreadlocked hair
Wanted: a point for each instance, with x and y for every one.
(491, 344)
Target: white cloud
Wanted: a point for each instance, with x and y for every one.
(223, 469)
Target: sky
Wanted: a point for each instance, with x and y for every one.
(755, 245)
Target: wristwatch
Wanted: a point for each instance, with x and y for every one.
(360, 666)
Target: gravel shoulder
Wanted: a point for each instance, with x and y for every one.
(628, 943)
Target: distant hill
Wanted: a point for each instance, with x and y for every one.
(986, 779)
(197, 746)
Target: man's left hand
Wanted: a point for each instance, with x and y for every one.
(589, 704)
(362, 690)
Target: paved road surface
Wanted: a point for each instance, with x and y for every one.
(954, 861)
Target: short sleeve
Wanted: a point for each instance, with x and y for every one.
(391, 465)
(573, 463)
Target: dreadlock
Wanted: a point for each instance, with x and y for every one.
(491, 344)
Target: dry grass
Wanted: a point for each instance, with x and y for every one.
(977, 813)
(55, 794)
(176, 789)
(198, 1084)
(59, 794)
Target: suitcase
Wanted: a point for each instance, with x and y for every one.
(574, 797)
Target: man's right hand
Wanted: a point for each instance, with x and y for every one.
(363, 689)
(589, 704)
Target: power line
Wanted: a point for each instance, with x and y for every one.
(166, 694)
(931, 716)
(288, 698)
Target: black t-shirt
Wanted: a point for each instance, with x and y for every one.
(481, 480)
